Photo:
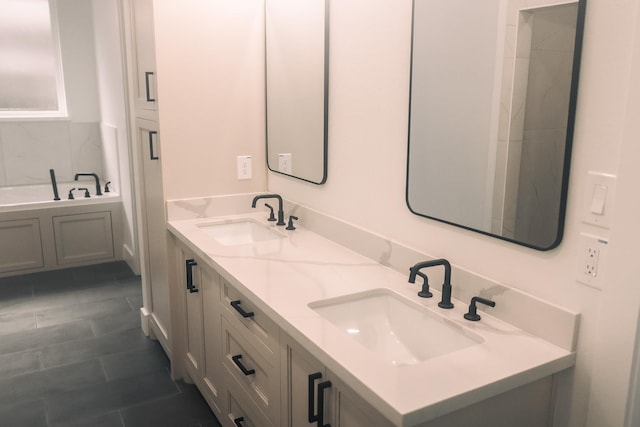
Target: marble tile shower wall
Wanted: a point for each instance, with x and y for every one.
(29, 149)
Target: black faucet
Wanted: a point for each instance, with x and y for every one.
(271, 196)
(98, 190)
(445, 302)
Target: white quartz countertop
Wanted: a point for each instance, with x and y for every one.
(283, 276)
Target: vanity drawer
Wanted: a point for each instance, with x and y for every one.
(257, 377)
(253, 324)
(241, 411)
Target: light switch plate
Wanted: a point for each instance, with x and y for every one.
(599, 199)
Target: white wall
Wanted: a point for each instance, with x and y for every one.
(113, 126)
(369, 59)
(211, 108)
(78, 59)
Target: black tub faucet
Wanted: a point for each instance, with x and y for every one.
(271, 196)
(98, 189)
(445, 302)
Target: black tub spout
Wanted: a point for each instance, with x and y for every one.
(98, 189)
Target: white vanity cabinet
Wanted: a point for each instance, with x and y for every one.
(251, 356)
(201, 326)
(313, 396)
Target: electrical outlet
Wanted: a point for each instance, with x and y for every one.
(284, 163)
(590, 264)
(590, 260)
(244, 167)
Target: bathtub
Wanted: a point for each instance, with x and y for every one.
(25, 197)
(38, 233)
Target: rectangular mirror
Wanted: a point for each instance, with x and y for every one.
(492, 105)
(297, 64)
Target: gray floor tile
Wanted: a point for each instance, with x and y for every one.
(42, 337)
(19, 363)
(50, 382)
(135, 301)
(134, 363)
(30, 414)
(112, 419)
(82, 311)
(107, 397)
(12, 323)
(49, 299)
(183, 410)
(116, 323)
(89, 348)
(110, 270)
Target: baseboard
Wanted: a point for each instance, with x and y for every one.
(131, 259)
(159, 333)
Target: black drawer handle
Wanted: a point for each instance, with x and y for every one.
(147, 74)
(236, 360)
(236, 305)
(190, 264)
(238, 421)
(152, 155)
(311, 395)
(321, 388)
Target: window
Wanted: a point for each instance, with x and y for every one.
(31, 83)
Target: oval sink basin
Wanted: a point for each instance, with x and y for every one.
(394, 328)
(240, 232)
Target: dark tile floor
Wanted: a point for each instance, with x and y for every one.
(72, 354)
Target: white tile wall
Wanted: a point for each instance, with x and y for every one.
(29, 149)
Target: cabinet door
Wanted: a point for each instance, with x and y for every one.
(193, 318)
(301, 374)
(144, 58)
(213, 368)
(154, 231)
(347, 409)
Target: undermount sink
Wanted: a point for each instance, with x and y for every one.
(394, 328)
(240, 232)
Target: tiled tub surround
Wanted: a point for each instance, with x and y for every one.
(30, 148)
(281, 277)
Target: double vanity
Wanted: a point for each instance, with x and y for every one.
(296, 327)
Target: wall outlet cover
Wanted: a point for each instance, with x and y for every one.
(591, 265)
(244, 167)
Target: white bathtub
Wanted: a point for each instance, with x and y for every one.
(26, 197)
(38, 233)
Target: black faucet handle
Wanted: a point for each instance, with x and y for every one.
(86, 192)
(272, 216)
(106, 187)
(424, 292)
(290, 225)
(70, 197)
(472, 314)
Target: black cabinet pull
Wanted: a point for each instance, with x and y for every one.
(236, 305)
(152, 155)
(190, 264)
(238, 421)
(148, 86)
(311, 395)
(321, 388)
(236, 360)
